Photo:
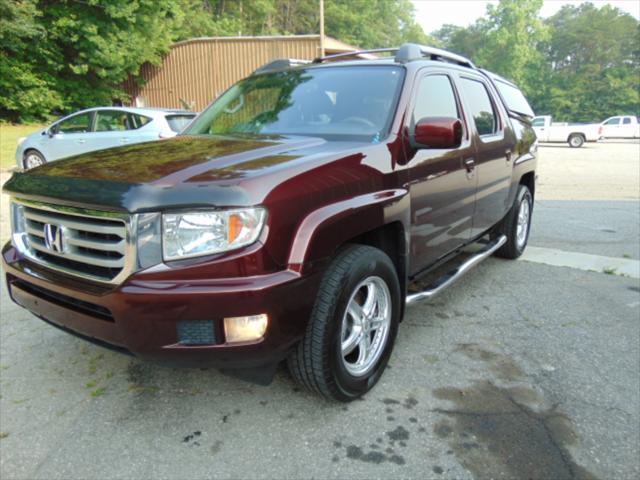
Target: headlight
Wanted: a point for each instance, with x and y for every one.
(18, 227)
(192, 234)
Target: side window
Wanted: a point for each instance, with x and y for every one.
(626, 121)
(613, 121)
(77, 124)
(538, 122)
(480, 106)
(435, 98)
(112, 120)
(137, 121)
(178, 122)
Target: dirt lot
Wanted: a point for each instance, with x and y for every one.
(608, 170)
(522, 370)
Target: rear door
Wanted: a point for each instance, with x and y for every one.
(442, 190)
(493, 144)
(112, 129)
(628, 127)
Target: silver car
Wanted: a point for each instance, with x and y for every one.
(97, 129)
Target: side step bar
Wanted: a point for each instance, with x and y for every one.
(454, 275)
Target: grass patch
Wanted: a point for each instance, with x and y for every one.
(98, 392)
(9, 135)
(609, 271)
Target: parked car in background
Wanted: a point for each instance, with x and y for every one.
(97, 129)
(574, 135)
(626, 126)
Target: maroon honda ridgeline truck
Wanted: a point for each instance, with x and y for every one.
(286, 222)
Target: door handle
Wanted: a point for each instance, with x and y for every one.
(469, 164)
(80, 141)
(124, 140)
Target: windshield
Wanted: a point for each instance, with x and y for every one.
(354, 103)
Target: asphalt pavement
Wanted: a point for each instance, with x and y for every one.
(521, 370)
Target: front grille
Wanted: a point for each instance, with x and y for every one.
(71, 303)
(89, 246)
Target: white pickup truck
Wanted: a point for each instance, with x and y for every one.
(625, 126)
(574, 135)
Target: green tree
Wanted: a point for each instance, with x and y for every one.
(594, 63)
(57, 56)
(25, 91)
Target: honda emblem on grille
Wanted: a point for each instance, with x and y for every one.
(54, 237)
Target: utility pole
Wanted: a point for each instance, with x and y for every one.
(322, 28)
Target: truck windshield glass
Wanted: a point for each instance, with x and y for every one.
(349, 103)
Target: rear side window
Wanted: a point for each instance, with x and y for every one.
(514, 99)
(435, 98)
(112, 121)
(137, 121)
(480, 106)
(626, 121)
(178, 122)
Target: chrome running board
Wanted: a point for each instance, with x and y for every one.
(454, 275)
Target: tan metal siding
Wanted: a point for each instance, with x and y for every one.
(198, 70)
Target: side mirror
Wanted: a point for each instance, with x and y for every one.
(437, 132)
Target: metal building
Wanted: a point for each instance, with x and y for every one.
(196, 71)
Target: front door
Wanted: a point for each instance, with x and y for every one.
(611, 128)
(494, 142)
(442, 189)
(70, 136)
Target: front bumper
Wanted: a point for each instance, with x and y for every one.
(141, 316)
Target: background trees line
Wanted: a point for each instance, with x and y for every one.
(582, 64)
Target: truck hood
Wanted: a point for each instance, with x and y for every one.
(174, 173)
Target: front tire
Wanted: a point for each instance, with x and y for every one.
(33, 159)
(575, 140)
(516, 225)
(353, 326)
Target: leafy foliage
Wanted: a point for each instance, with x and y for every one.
(57, 56)
(582, 64)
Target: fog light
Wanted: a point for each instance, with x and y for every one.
(245, 329)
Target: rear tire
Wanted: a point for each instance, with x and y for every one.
(575, 140)
(353, 326)
(516, 225)
(32, 159)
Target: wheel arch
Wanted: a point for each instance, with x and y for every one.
(580, 134)
(32, 149)
(379, 219)
(529, 180)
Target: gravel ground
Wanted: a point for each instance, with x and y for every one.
(521, 370)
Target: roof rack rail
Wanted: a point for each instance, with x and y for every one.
(412, 51)
(406, 53)
(280, 64)
(353, 53)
